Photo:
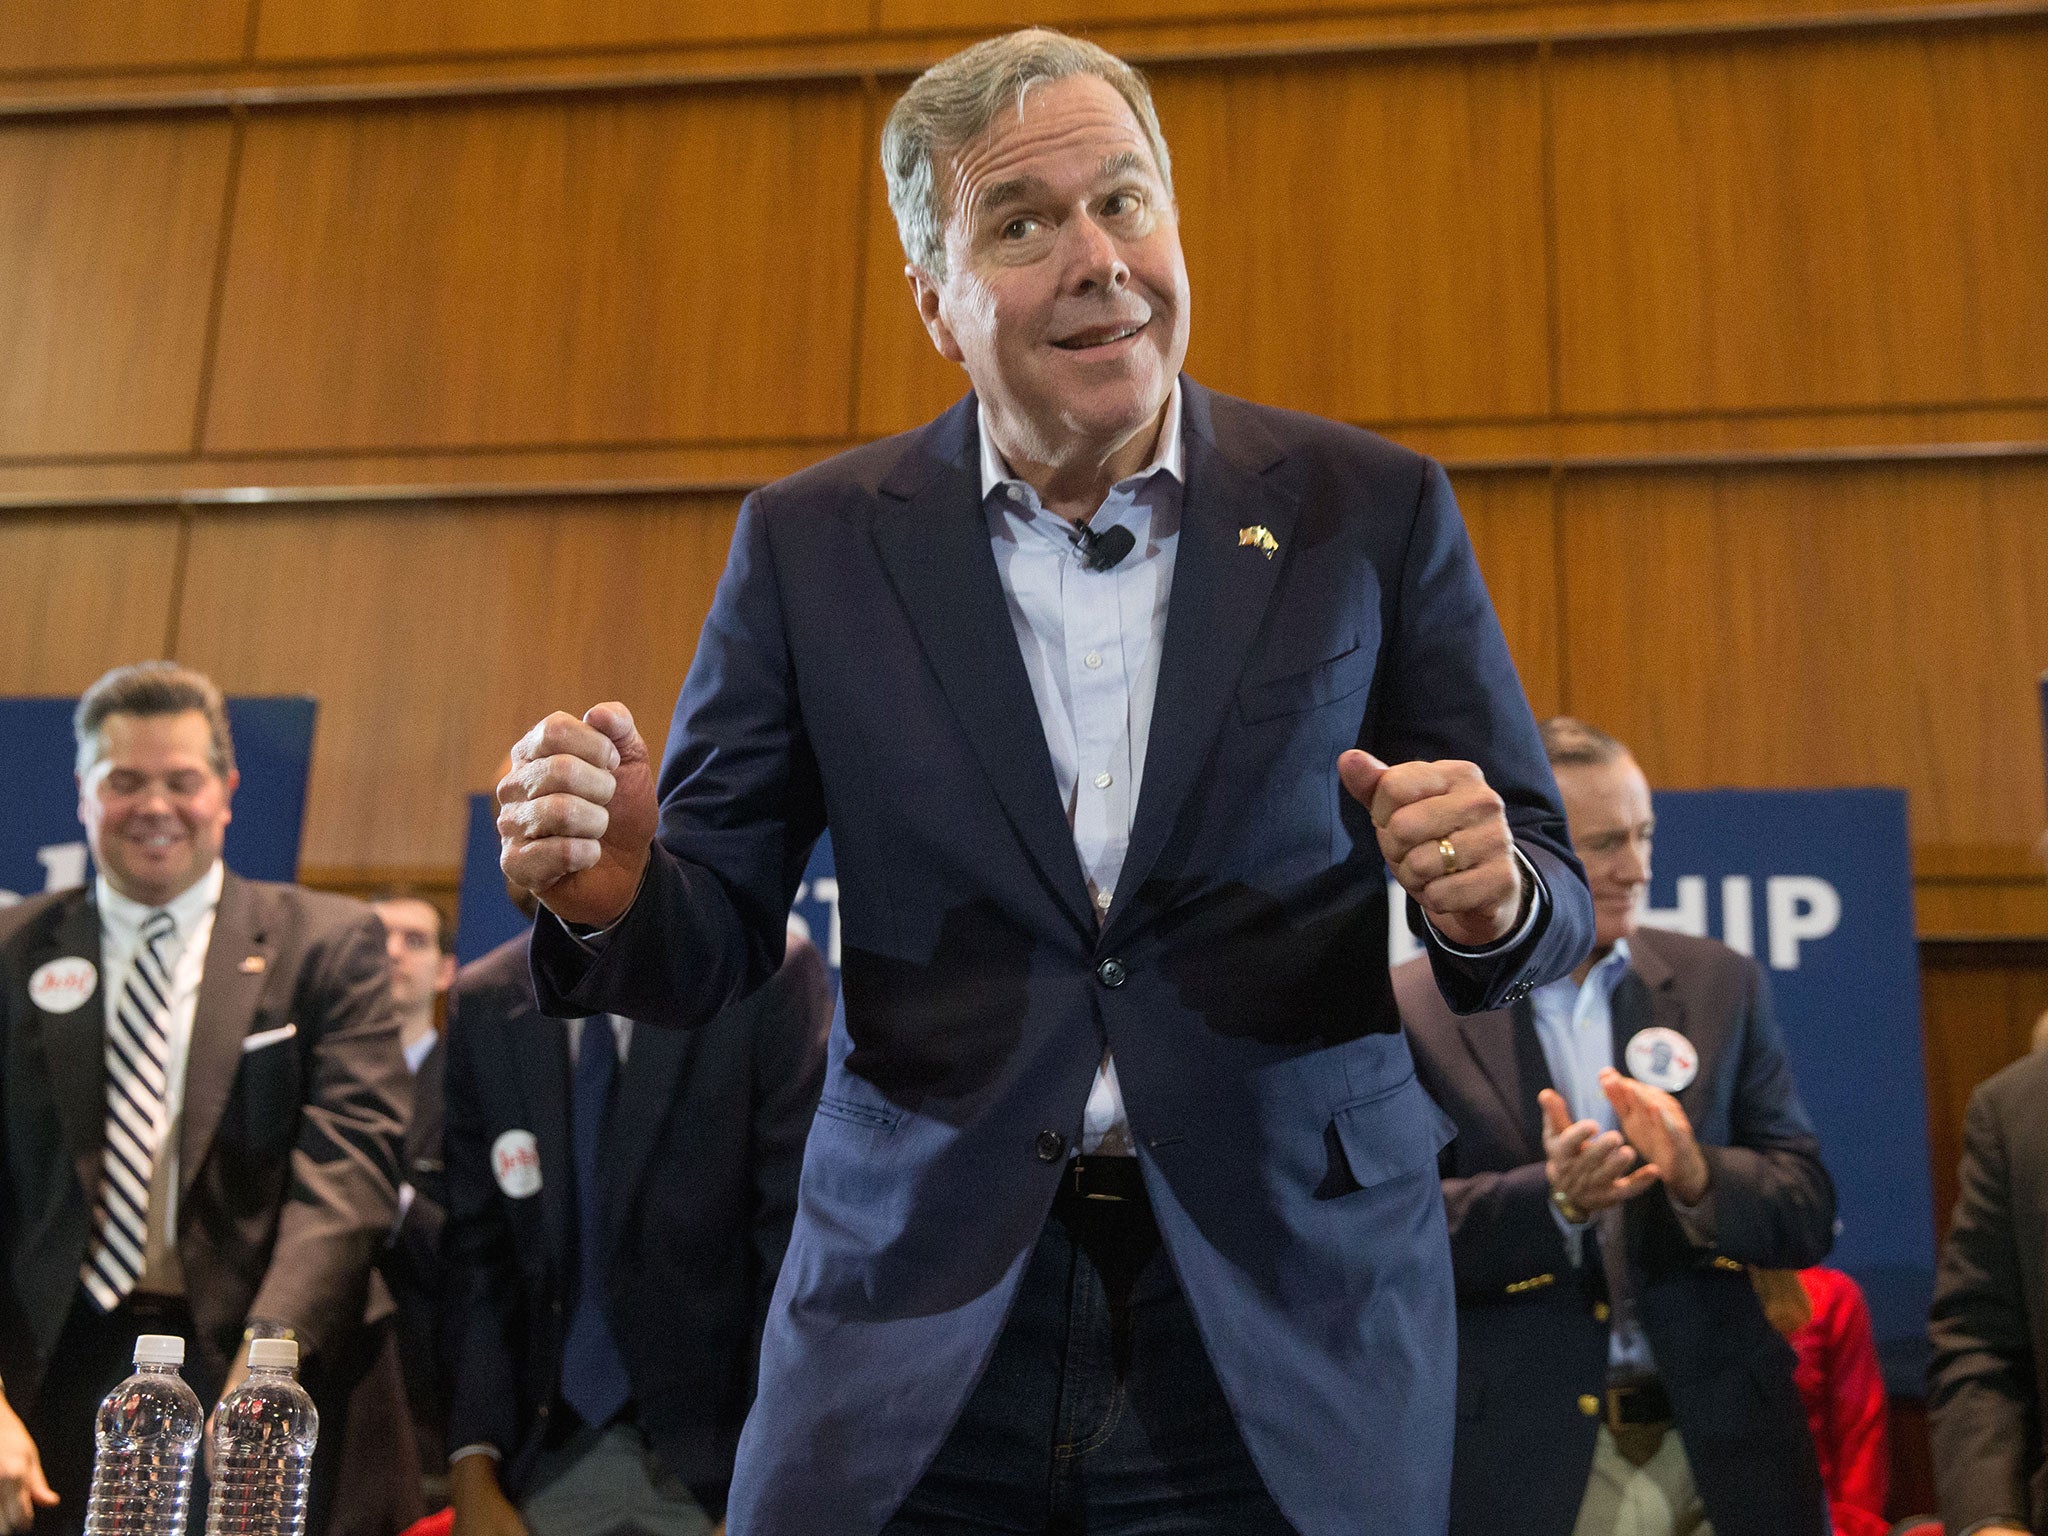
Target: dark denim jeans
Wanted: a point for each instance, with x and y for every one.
(1099, 1412)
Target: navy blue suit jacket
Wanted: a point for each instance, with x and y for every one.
(702, 1150)
(859, 668)
(1533, 1330)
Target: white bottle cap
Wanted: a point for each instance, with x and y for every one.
(273, 1352)
(159, 1349)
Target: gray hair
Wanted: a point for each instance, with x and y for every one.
(150, 688)
(1570, 743)
(954, 102)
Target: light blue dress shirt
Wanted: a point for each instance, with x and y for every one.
(1091, 642)
(1575, 1025)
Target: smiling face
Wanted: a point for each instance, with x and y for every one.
(1065, 295)
(155, 810)
(1607, 807)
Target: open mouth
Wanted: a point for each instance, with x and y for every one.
(1100, 336)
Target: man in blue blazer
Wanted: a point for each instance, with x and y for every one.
(1120, 1210)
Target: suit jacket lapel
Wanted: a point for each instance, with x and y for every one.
(1221, 592)
(1504, 1043)
(933, 539)
(74, 1044)
(541, 1047)
(640, 1114)
(239, 959)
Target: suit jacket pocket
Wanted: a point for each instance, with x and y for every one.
(1298, 689)
(1399, 1130)
(858, 1114)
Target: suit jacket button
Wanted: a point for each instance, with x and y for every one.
(541, 1411)
(1111, 972)
(1051, 1146)
(1601, 1312)
(1589, 1405)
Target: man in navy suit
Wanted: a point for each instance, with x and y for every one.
(618, 1204)
(1629, 1141)
(1120, 1211)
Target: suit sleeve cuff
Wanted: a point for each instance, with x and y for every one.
(1697, 1221)
(1537, 895)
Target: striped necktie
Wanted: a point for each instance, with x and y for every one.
(138, 1057)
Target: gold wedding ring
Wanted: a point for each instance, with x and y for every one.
(1443, 846)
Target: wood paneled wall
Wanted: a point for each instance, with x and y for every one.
(1727, 314)
(416, 356)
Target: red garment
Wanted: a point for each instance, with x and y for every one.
(1845, 1405)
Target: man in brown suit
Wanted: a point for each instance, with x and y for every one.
(201, 1100)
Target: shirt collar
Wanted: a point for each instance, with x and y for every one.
(1602, 979)
(126, 916)
(1167, 454)
(417, 1053)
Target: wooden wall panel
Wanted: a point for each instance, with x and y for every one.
(85, 592)
(120, 34)
(632, 269)
(1393, 270)
(1979, 1003)
(1879, 625)
(1827, 220)
(109, 233)
(342, 29)
(1514, 533)
(461, 626)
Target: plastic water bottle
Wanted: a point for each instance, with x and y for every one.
(263, 1434)
(147, 1431)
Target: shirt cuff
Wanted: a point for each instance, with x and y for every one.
(480, 1448)
(1573, 1232)
(1538, 895)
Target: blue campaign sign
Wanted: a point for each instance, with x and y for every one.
(488, 918)
(1817, 885)
(42, 846)
(484, 914)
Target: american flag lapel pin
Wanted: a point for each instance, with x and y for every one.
(1258, 537)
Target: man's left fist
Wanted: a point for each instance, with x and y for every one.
(1444, 833)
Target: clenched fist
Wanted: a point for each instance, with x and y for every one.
(1443, 831)
(576, 814)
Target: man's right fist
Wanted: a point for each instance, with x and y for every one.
(576, 814)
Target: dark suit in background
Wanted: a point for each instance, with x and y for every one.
(703, 1146)
(1989, 1376)
(1533, 1330)
(411, 1265)
(287, 1159)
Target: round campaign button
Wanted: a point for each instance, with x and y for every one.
(59, 986)
(515, 1159)
(1663, 1058)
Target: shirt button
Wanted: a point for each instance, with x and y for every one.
(1092, 660)
(1050, 1145)
(1103, 781)
(1111, 972)
(1103, 899)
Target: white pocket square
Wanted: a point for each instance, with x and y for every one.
(256, 1042)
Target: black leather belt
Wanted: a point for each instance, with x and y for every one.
(1103, 1178)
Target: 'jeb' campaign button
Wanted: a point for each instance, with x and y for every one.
(1663, 1058)
(60, 986)
(515, 1159)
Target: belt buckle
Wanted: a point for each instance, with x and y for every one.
(1077, 1164)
